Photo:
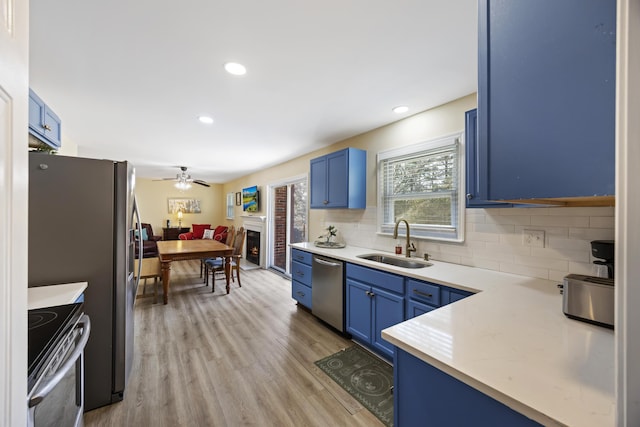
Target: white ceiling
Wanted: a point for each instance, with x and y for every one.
(129, 78)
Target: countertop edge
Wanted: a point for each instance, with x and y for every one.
(53, 295)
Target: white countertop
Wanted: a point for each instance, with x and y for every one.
(49, 296)
(510, 341)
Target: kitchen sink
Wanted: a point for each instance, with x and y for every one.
(398, 262)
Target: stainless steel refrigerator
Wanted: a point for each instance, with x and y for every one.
(81, 218)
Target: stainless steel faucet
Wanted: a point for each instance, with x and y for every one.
(409, 247)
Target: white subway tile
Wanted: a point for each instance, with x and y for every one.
(483, 237)
(562, 254)
(494, 228)
(592, 233)
(481, 263)
(508, 249)
(565, 243)
(602, 222)
(560, 221)
(583, 211)
(557, 276)
(547, 263)
(510, 220)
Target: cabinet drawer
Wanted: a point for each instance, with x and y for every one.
(381, 279)
(416, 308)
(301, 256)
(301, 272)
(301, 293)
(424, 292)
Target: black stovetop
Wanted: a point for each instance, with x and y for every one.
(47, 327)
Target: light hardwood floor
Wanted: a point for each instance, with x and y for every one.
(243, 359)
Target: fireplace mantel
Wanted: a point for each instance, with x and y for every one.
(256, 223)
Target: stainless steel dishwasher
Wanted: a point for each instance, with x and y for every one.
(327, 291)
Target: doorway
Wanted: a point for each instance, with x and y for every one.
(289, 211)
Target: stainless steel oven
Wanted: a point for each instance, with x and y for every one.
(56, 397)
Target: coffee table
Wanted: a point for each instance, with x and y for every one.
(180, 250)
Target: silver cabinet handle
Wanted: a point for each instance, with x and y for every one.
(328, 263)
(469, 196)
(424, 294)
(300, 293)
(46, 127)
(53, 380)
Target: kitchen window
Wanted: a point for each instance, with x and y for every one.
(422, 183)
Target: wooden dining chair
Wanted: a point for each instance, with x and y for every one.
(215, 265)
(231, 235)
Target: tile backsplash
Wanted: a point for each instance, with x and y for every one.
(494, 238)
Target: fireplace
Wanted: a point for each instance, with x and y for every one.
(253, 247)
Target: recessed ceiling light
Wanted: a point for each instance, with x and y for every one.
(206, 119)
(400, 109)
(235, 68)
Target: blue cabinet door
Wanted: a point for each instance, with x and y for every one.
(388, 310)
(318, 187)
(476, 174)
(44, 124)
(424, 395)
(359, 310)
(338, 180)
(546, 97)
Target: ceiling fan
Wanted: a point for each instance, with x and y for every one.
(184, 180)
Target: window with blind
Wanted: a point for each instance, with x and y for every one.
(422, 184)
(230, 209)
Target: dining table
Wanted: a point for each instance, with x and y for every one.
(181, 250)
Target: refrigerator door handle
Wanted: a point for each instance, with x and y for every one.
(136, 212)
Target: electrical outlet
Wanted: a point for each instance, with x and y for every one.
(534, 238)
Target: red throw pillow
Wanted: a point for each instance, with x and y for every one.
(198, 230)
(220, 233)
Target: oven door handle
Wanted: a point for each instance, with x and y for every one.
(51, 381)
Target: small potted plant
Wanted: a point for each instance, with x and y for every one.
(331, 233)
(328, 237)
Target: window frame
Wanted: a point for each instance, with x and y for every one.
(453, 233)
(230, 205)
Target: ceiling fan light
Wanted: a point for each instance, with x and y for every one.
(182, 185)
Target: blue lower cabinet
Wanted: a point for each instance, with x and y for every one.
(301, 293)
(301, 277)
(424, 395)
(359, 310)
(375, 301)
(387, 311)
(453, 295)
(416, 308)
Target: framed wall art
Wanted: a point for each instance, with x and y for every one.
(238, 198)
(184, 205)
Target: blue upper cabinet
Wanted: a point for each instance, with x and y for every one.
(338, 180)
(476, 175)
(44, 124)
(546, 98)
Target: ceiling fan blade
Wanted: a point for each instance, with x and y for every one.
(200, 182)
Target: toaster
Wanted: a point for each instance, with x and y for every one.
(588, 298)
